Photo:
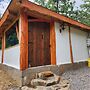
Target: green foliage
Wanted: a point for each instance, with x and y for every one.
(11, 40)
(11, 37)
(84, 13)
(67, 8)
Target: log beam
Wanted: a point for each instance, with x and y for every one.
(23, 40)
(53, 43)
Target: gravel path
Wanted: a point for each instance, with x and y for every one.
(79, 78)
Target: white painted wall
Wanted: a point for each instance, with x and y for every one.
(0, 56)
(12, 56)
(62, 46)
(79, 46)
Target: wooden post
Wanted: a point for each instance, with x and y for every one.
(3, 45)
(17, 31)
(23, 40)
(70, 44)
(52, 43)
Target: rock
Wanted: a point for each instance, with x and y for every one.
(44, 75)
(26, 88)
(57, 79)
(41, 88)
(53, 80)
(38, 82)
(50, 82)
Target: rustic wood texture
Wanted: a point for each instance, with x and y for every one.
(53, 43)
(5, 16)
(23, 40)
(70, 44)
(39, 40)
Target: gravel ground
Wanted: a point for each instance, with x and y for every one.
(6, 83)
(79, 78)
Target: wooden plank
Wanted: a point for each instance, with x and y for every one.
(23, 31)
(53, 43)
(70, 44)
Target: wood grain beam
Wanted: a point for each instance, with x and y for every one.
(53, 43)
(23, 32)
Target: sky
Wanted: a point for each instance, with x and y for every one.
(5, 3)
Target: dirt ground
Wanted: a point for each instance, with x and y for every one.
(79, 79)
(6, 83)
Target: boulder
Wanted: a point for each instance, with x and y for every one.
(38, 82)
(44, 75)
(27, 88)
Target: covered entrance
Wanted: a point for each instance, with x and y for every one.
(39, 44)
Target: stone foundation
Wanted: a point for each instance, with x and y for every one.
(24, 77)
(30, 73)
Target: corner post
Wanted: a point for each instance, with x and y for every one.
(23, 40)
(52, 43)
(3, 45)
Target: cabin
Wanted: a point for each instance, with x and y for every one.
(34, 38)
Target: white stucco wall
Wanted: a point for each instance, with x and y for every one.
(79, 46)
(62, 46)
(12, 56)
(0, 56)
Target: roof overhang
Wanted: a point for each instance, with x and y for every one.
(13, 10)
(10, 15)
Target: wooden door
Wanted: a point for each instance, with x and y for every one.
(39, 44)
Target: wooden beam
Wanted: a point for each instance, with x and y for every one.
(16, 19)
(23, 40)
(70, 44)
(53, 43)
(3, 45)
(43, 11)
(38, 20)
(3, 19)
(13, 13)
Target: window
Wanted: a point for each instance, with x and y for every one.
(11, 37)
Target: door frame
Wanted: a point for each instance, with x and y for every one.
(52, 39)
(23, 27)
(46, 57)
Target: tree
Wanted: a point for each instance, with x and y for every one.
(84, 13)
(65, 7)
